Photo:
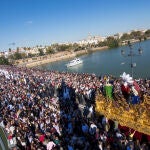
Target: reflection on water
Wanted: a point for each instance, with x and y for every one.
(109, 62)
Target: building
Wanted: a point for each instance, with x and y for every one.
(117, 35)
(91, 40)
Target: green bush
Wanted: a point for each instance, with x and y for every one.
(4, 61)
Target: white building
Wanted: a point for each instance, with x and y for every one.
(91, 40)
(35, 50)
(117, 35)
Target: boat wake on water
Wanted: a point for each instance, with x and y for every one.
(122, 63)
(74, 62)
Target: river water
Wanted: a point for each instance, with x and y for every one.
(109, 62)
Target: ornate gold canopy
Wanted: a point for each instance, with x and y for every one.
(136, 116)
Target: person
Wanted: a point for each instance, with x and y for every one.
(108, 88)
(50, 145)
(32, 113)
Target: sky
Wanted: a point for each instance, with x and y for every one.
(44, 22)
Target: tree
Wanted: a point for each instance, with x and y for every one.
(63, 47)
(41, 53)
(101, 44)
(112, 42)
(29, 48)
(9, 50)
(31, 55)
(147, 33)
(125, 36)
(17, 56)
(136, 34)
(23, 55)
(75, 47)
(145, 38)
(49, 50)
(4, 61)
(55, 47)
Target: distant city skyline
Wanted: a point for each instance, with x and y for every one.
(27, 23)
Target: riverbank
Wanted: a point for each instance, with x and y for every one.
(37, 61)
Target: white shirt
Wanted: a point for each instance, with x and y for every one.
(50, 145)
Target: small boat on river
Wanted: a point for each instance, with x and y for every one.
(74, 62)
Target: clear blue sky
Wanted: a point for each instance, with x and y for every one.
(42, 22)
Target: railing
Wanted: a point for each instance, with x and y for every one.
(135, 116)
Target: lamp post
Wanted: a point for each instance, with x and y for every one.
(131, 54)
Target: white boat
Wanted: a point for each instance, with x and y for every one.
(74, 62)
(122, 63)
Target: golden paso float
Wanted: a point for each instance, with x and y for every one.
(135, 116)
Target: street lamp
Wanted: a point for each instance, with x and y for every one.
(131, 55)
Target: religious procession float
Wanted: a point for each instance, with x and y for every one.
(132, 114)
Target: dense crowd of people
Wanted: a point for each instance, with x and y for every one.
(51, 110)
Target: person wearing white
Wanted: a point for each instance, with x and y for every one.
(50, 145)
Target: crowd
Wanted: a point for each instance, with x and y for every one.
(51, 110)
